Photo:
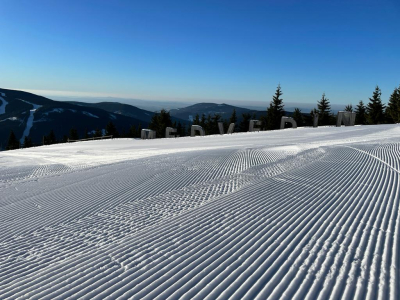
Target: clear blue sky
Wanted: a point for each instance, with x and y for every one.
(227, 50)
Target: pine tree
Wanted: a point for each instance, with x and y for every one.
(28, 142)
(361, 115)
(349, 108)
(13, 143)
(298, 117)
(139, 131)
(73, 134)
(98, 133)
(208, 125)
(86, 135)
(132, 132)
(244, 124)
(393, 109)
(111, 130)
(233, 118)
(375, 108)
(160, 121)
(275, 110)
(180, 130)
(203, 121)
(196, 120)
(324, 111)
(51, 138)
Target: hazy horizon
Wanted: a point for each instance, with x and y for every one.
(180, 50)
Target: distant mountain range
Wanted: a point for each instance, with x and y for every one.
(34, 116)
(31, 115)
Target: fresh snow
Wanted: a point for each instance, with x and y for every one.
(307, 213)
(29, 122)
(3, 104)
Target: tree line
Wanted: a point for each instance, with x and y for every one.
(374, 112)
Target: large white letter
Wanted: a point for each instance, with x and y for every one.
(230, 129)
(147, 134)
(221, 127)
(346, 117)
(168, 132)
(315, 120)
(288, 120)
(197, 128)
(252, 123)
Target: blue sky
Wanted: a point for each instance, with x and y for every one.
(203, 50)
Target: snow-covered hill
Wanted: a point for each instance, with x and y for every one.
(296, 214)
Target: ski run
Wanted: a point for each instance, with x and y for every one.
(307, 213)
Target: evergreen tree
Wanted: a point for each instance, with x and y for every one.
(111, 130)
(132, 132)
(349, 108)
(203, 121)
(393, 109)
(233, 118)
(180, 130)
(12, 143)
(361, 115)
(86, 134)
(28, 142)
(309, 119)
(139, 131)
(160, 121)
(98, 133)
(73, 134)
(208, 125)
(324, 111)
(51, 138)
(244, 124)
(375, 108)
(196, 120)
(65, 138)
(275, 110)
(298, 117)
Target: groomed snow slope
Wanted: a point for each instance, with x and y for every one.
(296, 214)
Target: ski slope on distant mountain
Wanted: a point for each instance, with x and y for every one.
(310, 213)
(3, 104)
(29, 122)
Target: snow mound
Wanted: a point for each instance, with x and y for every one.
(311, 213)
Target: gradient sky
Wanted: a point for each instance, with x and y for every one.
(206, 50)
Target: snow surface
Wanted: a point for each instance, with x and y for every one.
(310, 213)
(3, 104)
(29, 122)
